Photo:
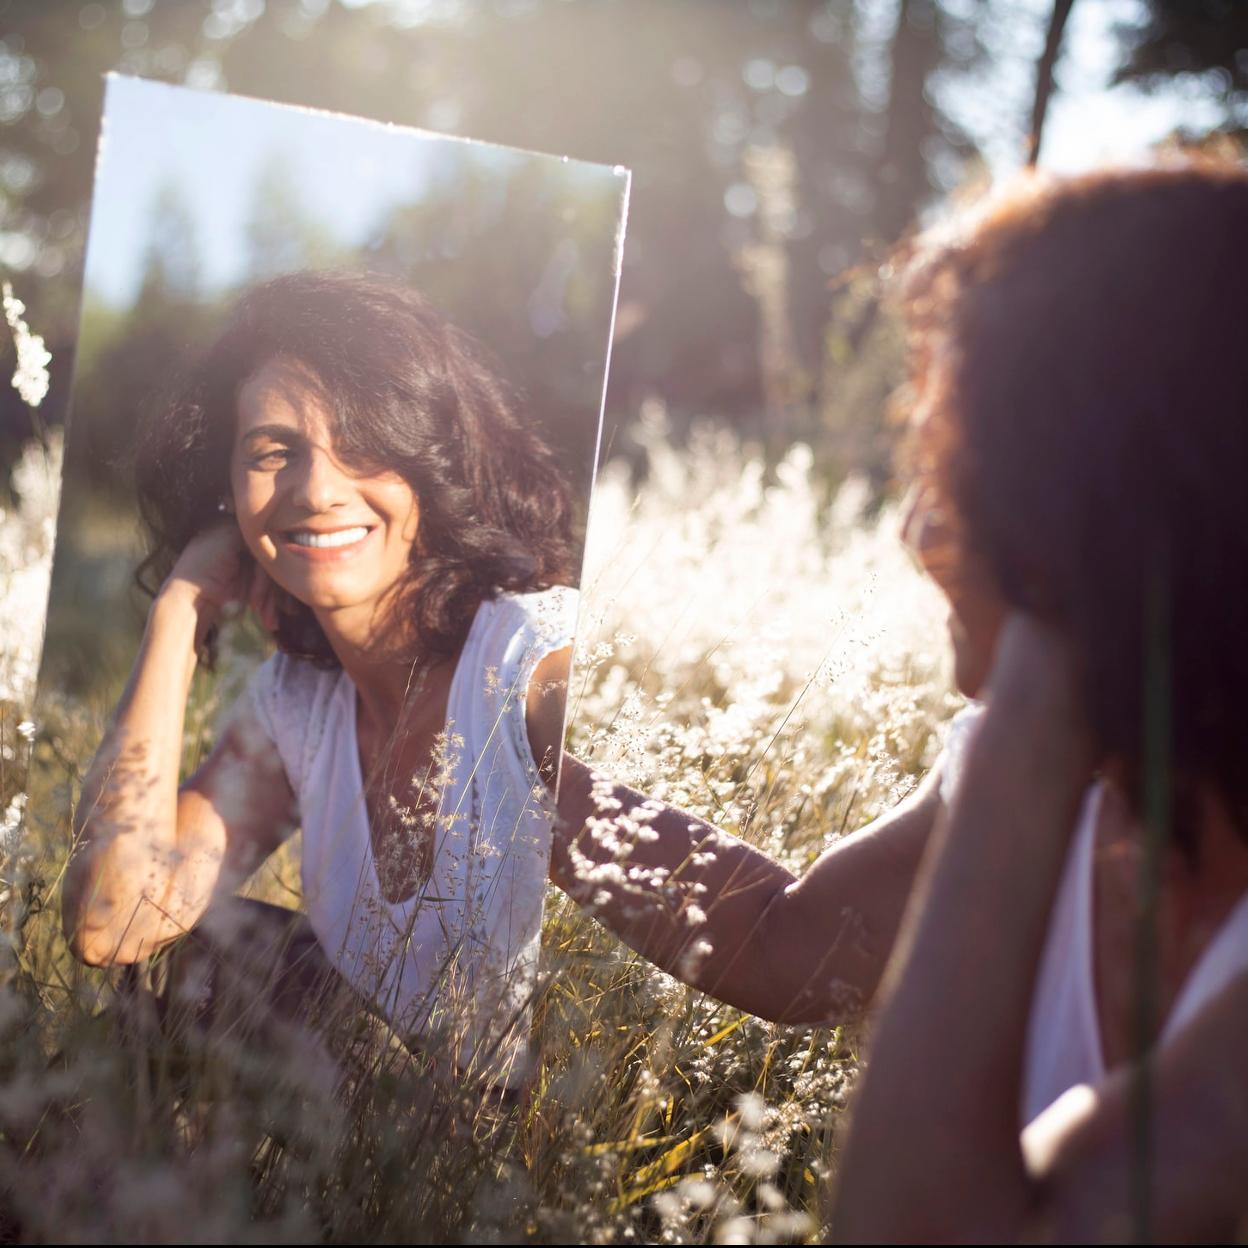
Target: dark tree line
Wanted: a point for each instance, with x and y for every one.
(697, 96)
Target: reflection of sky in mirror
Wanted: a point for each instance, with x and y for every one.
(346, 176)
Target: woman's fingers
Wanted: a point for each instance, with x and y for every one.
(223, 577)
(1036, 681)
(209, 567)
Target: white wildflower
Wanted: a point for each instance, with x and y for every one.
(26, 541)
(11, 825)
(752, 1109)
(30, 378)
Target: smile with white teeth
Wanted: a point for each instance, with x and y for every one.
(342, 537)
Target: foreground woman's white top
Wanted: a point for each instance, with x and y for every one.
(1063, 1052)
(458, 960)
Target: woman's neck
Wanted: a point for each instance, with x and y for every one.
(385, 674)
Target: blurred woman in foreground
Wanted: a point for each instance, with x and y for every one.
(1059, 916)
(1081, 922)
(1083, 444)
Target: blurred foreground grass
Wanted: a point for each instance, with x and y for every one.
(751, 650)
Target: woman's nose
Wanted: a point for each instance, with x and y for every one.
(320, 484)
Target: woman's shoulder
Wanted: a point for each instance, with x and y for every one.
(286, 692)
(511, 635)
(545, 616)
(288, 675)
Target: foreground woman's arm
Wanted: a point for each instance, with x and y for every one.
(718, 913)
(147, 857)
(934, 1149)
(1084, 1177)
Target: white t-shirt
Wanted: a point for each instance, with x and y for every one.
(1063, 1054)
(457, 961)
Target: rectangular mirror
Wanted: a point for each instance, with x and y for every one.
(336, 409)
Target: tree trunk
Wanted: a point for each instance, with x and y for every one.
(1044, 76)
(902, 170)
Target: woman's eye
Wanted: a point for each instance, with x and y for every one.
(275, 458)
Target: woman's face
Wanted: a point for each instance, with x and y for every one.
(334, 539)
(976, 610)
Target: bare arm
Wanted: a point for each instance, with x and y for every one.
(933, 1151)
(148, 857)
(1081, 1152)
(717, 912)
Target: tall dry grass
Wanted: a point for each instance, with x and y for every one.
(751, 650)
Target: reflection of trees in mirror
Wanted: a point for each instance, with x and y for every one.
(280, 235)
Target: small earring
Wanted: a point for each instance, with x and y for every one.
(224, 507)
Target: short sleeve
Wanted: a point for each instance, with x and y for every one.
(953, 759)
(522, 630)
(548, 624)
(259, 699)
(286, 699)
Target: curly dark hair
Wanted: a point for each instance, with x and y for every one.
(407, 392)
(1080, 350)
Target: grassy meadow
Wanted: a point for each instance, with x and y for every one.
(754, 648)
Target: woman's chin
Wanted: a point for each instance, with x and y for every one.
(320, 592)
(967, 685)
(970, 671)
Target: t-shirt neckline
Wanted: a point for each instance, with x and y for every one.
(347, 689)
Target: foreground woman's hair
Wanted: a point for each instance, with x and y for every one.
(1082, 358)
(409, 393)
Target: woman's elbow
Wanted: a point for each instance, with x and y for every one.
(92, 951)
(89, 924)
(92, 941)
(801, 980)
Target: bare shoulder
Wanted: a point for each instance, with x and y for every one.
(1082, 1151)
(544, 708)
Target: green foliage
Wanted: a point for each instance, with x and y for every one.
(681, 93)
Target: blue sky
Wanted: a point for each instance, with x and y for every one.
(348, 174)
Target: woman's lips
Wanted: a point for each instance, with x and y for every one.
(325, 546)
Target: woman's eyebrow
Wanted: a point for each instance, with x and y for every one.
(274, 432)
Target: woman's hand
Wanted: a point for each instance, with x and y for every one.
(1035, 688)
(150, 853)
(1032, 659)
(216, 571)
(947, 1164)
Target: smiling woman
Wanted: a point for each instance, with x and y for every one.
(406, 539)
(333, 540)
(324, 378)
(344, 461)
